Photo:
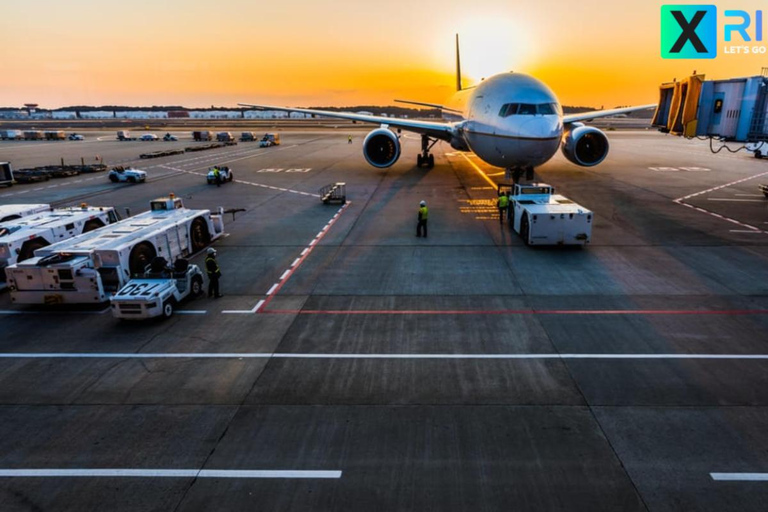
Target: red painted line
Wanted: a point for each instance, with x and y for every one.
(731, 312)
(304, 255)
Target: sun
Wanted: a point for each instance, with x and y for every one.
(493, 45)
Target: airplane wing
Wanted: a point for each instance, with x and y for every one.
(586, 116)
(433, 105)
(435, 130)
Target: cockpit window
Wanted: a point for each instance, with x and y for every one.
(528, 109)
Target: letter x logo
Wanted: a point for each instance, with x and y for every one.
(688, 31)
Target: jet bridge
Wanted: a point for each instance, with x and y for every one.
(728, 110)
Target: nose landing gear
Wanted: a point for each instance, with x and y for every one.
(426, 159)
(515, 173)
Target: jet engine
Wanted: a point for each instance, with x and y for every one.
(381, 148)
(584, 145)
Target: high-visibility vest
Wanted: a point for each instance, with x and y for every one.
(424, 211)
(208, 268)
(216, 171)
(503, 201)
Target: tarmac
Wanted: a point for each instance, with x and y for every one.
(353, 366)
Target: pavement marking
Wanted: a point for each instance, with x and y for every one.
(166, 473)
(720, 187)
(295, 262)
(285, 274)
(750, 195)
(739, 477)
(744, 231)
(272, 289)
(191, 312)
(737, 312)
(479, 171)
(737, 200)
(255, 309)
(286, 355)
(60, 312)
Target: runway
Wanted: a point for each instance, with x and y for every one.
(353, 366)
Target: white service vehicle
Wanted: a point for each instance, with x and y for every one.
(88, 268)
(76, 136)
(159, 291)
(130, 175)
(225, 174)
(149, 137)
(542, 217)
(17, 211)
(19, 239)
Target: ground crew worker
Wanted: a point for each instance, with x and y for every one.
(423, 215)
(503, 204)
(349, 140)
(214, 273)
(217, 175)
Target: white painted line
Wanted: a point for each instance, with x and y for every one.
(272, 290)
(285, 355)
(295, 262)
(720, 187)
(739, 477)
(305, 251)
(745, 231)
(237, 312)
(737, 200)
(313, 242)
(257, 307)
(321, 232)
(165, 473)
(191, 312)
(285, 274)
(750, 195)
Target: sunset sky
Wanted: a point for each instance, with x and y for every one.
(341, 52)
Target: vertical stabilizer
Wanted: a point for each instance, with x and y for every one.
(458, 65)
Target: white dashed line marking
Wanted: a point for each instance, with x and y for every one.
(272, 290)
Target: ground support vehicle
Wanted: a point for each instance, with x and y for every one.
(225, 174)
(542, 217)
(76, 136)
(203, 135)
(124, 135)
(170, 138)
(129, 175)
(270, 139)
(6, 174)
(764, 190)
(17, 211)
(89, 268)
(159, 291)
(247, 137)
(19, 239)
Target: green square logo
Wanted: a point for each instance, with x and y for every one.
(688, 31)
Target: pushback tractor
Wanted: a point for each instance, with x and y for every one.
(19, 239)
(89, 268)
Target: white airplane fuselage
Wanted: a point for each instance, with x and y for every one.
(528, 137)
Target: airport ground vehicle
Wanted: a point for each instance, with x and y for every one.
(124, 135)
(542, 217)
(11, 134)
(170, 138)
(130, 175)
(203, 135)
(16, 211)
(158, 291)
(76, 136)
(20, 238)
(270, 139)
(225, 174)
(247, 137)
(149, 137)
(89, 268)
(34, 135)
(225, 137)
(55, 135)
(6, 174)
(764, 190)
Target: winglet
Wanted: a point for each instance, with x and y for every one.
(458, 65)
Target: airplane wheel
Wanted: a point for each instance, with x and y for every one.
(419, 161)
(758, 154)
(431, 161)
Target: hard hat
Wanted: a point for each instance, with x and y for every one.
(211, 250)
(423, 203)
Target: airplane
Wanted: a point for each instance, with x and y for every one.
(510, 120)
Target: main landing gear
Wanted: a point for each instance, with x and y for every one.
(426, 159)
(516, 173)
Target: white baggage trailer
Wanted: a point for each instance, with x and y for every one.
(17, 211)
(542, 217)
(91, 267)
(19, 239)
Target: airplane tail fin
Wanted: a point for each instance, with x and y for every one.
(458, 65)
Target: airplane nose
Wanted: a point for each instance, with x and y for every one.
(543, 127)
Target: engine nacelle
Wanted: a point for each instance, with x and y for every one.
(381, 148)
(584, 145)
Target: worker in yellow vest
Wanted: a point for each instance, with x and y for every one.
(423, 215)
(503, 204)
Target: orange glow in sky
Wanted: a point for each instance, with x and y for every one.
(341, 52)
